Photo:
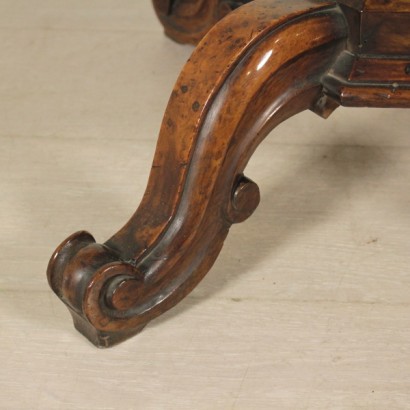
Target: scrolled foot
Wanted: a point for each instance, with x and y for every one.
(187, 21)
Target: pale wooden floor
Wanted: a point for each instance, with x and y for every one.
(308, 306)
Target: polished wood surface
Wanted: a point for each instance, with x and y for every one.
(250, 72)
(307, 305)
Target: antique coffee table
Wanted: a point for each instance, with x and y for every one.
(257, 63)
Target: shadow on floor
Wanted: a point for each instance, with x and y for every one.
(291, 204)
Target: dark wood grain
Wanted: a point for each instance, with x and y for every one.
(385, 33)
(387, 5)
(376, 97)
(258, 66)
(381, 70)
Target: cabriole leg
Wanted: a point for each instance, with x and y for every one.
(258, 66)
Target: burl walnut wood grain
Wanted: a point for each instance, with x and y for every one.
(261, 64)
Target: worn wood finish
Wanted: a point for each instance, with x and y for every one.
(353, 82)
(187, 21)
(261, 64)
(376, 97)
(375, 70)
(385, 33)
(387, 5)
(383, 26)
(400, 6)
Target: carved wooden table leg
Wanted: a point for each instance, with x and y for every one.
(261, 64)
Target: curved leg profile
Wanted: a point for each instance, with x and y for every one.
(260, 65)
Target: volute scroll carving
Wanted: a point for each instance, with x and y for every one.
(187, 21)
